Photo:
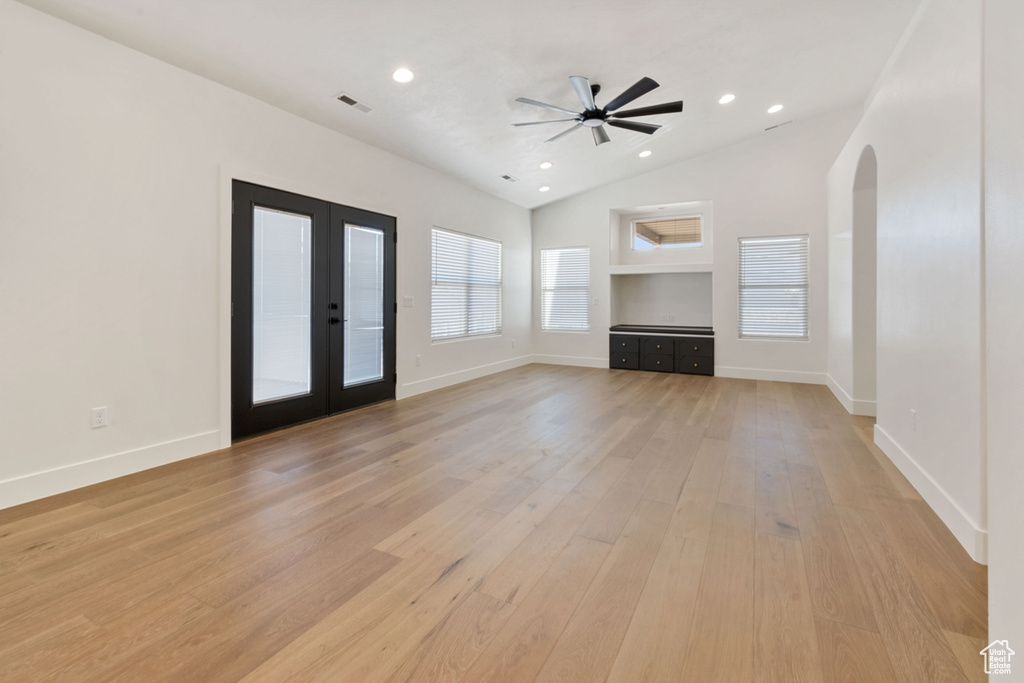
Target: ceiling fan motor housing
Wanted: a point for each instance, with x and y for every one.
(593, 117)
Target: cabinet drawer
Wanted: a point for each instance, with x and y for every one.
(695, 346)
(624, 359)
(620, 343)
(696, 365)
(657, 345)
(657, 362)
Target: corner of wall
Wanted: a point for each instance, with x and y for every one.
(852, 405)
(973, 539)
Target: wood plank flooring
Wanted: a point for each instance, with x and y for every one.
(541, 524)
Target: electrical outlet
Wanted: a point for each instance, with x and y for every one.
(407, 301)
(418, 359)
(99, 417)
(913, 420)
(668, 318)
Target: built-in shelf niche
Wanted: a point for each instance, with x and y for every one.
(669, 286)
(624, 259)
(662, 299)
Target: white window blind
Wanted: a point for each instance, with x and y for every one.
(657, 233)
(773, 287)
(465, 293)
(282, 294)
(565, 289)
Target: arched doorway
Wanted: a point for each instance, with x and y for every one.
(865, 239)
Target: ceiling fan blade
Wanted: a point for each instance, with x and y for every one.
(667, 108)
(600, 135)
(564, 133)
(527, 100)
(641, 87)
(582, 87)
(648, 128)
(537, 123)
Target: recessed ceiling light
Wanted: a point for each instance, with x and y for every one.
(546, 165)
(775, 108)
(644, 154)
(545, 188)
(403, 75)
(726, 99)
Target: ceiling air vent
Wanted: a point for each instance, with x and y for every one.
(353, 102)
(511, 179)
(778, 125)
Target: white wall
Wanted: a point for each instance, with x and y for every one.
(865, 278)
(115, 176)
(1004, 315)
(771, 184)
(924, 123)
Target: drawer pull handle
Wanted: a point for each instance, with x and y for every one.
(658, 346)
(694, 348)
(623, 344)
(658, 363)
(694, 365)
(623, 360)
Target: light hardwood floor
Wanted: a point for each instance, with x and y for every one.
(542, 524)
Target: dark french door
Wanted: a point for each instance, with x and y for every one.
(313, 308)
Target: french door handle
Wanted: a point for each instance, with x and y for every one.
(334, 321)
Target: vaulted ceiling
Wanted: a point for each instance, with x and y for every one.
(473, 58)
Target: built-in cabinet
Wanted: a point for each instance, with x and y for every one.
(683, 350)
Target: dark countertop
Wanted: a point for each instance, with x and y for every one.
(662, 329)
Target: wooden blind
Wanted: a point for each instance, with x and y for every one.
(565, 289)
(773, 288)
(465, 293)
(669, 231)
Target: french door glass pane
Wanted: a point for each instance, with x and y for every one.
(281, 301)
(364, 305)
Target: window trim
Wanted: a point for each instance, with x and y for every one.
(467, 285)
(543, 289)
(805, 286)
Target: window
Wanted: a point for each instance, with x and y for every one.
(465, 293)
(565, 289)
(773, 287)
(662, 233)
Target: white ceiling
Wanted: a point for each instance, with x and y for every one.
(473, 58)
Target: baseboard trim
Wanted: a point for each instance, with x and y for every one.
(852, 405)
(771, 375)
(973, 539)
(577, 361)
(47, 483)
(441, 381)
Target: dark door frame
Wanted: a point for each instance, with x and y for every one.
(326, 393)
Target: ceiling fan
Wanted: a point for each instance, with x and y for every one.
(594, 117)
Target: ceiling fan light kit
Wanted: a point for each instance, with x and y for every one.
(595, 118)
